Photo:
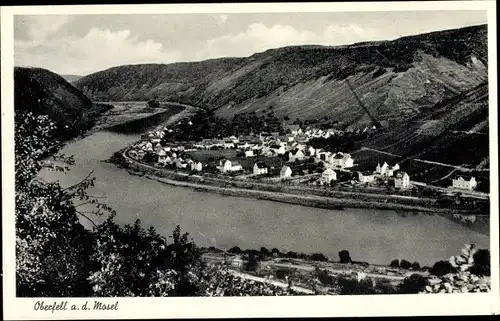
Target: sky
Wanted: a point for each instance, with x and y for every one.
(83, 44)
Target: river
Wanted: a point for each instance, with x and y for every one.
(373, 236)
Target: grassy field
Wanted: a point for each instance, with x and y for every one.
(212, 157)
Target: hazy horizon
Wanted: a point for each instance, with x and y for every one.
(84, 44)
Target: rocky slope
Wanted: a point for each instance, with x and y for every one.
(395, 79)
(43, 92)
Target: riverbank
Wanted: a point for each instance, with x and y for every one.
(335, 200)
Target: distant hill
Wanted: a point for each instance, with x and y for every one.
(395, 79)
(44, 92)
(71, 78)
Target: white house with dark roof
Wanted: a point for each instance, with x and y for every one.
(328, 176)
(164, 159)
(286, 172)
(341, 160)
(226, 165)
(401, 180)
(179, 163)
(249, 153)
(294, 129)
(366, 177)
(229, 144)
(311, 151)
(296, 155)
(468, 183)
(392, 169)
(260, 168)
(278, 149)
(196, 166)
(386, 170)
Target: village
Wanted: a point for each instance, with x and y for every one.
(285, 157)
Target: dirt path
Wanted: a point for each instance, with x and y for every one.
(270, 281)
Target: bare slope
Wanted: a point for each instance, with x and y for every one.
(394, 78)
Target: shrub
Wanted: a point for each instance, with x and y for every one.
(481, 265)
(415, 283)
(318, 257)
(351, 286)
(324, 277)
(441, 268)
(461, 279)
(283, 273)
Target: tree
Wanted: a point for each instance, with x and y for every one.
(415, 266)
(394, 263)
(345, 257)
(264, 252)
(481, 263)
(275, 252)
(57, 256)
(252, 263)
(235, 250)
(404, 264)
(319, 257)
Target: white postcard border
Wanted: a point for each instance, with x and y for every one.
(314, 306)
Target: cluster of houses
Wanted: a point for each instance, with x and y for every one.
(292, 146)
(400, 178)
(463, 182)
(165, 155)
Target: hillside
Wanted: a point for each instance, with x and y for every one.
(43, 92)
(455, 132)
(71, 78)
(395, 79)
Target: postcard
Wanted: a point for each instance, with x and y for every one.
(250, 160)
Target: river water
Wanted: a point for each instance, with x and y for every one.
(369, 235)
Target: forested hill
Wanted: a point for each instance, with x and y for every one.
(393, 78)
(45, 93)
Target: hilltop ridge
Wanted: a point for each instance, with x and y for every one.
(394, 78)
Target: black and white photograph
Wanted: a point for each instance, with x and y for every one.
(328, 154)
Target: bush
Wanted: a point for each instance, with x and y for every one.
(415, 283)
(324, 277)
(481, 265)
(461, 280)
(319, 257)
(283, 273)
(350, 286)
(441, 268)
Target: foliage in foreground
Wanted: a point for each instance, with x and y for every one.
(57, 256)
